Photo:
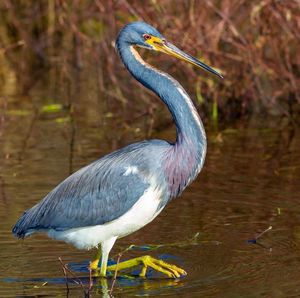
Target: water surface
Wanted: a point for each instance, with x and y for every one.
(250, 181)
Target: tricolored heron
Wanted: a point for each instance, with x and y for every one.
(125, 190)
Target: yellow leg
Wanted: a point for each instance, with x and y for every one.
(103, 252)
(95, 262)
(170, 270)
(143, 271)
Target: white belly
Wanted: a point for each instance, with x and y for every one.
(142, 212)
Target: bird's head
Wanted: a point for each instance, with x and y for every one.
(143, 35)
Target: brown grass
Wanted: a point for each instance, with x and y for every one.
(254, 43)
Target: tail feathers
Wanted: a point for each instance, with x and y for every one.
(27, 224)
(18, 230)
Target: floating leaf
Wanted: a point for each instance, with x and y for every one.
(146, 247)
(42, 285)
(53, 108)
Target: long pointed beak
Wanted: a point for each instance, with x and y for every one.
(170, 49)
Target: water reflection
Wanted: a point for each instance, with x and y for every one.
(250, 182)
(108, 287)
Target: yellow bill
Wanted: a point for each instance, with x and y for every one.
(162, 45)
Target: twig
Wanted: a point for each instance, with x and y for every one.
(190, 241)
(75, 278)
(90, 278)
(263, 232)
(65, 274)
(254, 240)
(115, 275)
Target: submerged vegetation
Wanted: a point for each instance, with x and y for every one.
(254, 43)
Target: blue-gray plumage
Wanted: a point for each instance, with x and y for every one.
(121, 192)
(97, 193)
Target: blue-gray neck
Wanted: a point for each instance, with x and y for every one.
(185, 159)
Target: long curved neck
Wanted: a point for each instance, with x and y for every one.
(190, 145)
(185, 115)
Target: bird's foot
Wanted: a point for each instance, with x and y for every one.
(94, 264)
(170, 270)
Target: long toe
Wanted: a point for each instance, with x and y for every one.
(177, 270)
(170, 270)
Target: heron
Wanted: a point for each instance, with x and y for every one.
(125, 190)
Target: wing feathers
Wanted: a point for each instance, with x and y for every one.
(94, 195)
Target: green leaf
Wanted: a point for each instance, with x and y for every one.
(53, 108)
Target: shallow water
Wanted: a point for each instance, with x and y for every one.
(250, 181)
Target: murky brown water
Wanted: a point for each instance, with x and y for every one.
(250, 182)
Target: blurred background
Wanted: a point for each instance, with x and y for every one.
(62, 44)
(66, 99)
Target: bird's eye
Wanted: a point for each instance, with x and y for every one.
(147, 36)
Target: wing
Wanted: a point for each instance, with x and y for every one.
(94, 195)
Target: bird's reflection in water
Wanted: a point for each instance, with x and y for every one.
(140, 286)
(78, 282)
